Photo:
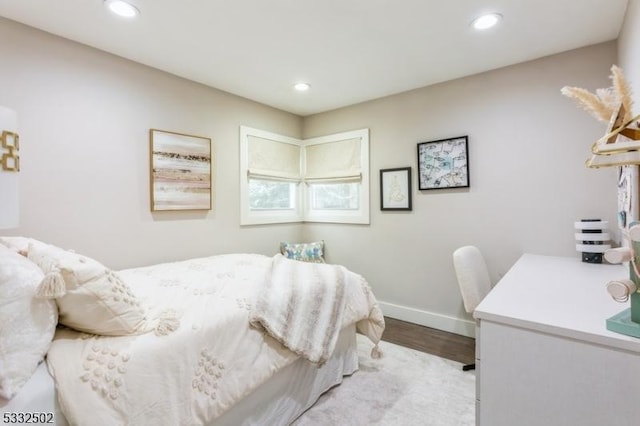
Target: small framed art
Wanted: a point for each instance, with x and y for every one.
(628, 184)
(395, 189)
(443, 164)
(180, 171)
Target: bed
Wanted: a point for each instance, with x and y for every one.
(231, 339)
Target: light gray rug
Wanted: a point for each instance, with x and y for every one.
(404, 387)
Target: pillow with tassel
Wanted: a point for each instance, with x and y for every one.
(91, 297)
(20, 244)
(27, 324)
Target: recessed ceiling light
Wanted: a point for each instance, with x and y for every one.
(487, 21)
(302, 87)
(122, 8)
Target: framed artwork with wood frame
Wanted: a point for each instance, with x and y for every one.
(395, 189)
(180, 171)
(443, 164)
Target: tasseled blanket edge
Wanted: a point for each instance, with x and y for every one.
(376, 352)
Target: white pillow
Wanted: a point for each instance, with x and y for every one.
(20, 244)
(90, 297)
(27, 324)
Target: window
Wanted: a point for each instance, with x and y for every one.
(336, 175)
(334, 196)
(271, 179)
(324, 179)
(267, 195)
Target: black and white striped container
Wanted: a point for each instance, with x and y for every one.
(592, 239)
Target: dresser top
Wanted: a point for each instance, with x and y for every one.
(561, 296)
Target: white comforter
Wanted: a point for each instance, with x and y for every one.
(192, 375)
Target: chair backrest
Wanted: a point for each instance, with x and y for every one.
(473, 276)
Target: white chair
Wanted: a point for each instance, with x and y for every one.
(473, 279)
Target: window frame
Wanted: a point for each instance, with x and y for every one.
(303, 211)
(359, 216)
(249, 216)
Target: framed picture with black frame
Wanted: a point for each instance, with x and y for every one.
(395, 189)
(443, 164)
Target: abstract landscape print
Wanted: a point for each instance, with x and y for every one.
(180, 171)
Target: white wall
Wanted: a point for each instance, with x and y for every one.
(84, 118)
(529, 184)
(628, 45)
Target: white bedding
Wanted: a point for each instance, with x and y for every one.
(295, 388)
(36, 396)
(195, 374)
(277, 402)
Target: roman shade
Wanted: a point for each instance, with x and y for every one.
(334, 161)
(273, 160)
(335, 168)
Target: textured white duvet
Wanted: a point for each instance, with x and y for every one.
(190, 376)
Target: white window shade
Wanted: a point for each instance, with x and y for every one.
(273, 160)
(334, 167)
(337, 177)
(334, 161)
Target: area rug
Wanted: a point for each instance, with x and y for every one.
(404, 387)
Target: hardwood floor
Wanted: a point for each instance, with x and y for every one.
(425, 339)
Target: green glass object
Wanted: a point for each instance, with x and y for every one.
(635, 306)
(628, 321)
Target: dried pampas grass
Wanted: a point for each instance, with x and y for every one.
(609, 98)
(589, 102)
(605, 102)
(622, 89)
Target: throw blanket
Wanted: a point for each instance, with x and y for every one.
(194, 374)
(303, 306)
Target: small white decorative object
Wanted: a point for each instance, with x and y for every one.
(621, 290)
(592, 239)
(619, 255)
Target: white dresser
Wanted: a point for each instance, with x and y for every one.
(544, 355)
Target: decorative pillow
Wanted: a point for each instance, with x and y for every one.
(90, 297)
(306, 252)
(20, 244)
(27, 324)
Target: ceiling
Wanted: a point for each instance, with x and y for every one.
(350, 51)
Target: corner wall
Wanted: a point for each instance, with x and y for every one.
(527, 147)
(84, 117)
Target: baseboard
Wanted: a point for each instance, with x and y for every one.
(429, 319)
